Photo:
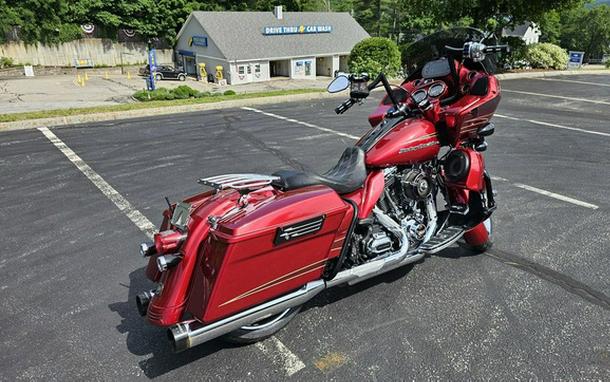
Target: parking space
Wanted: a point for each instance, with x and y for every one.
(535, 307)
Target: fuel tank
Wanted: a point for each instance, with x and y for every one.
(400, 142)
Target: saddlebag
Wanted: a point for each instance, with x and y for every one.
(267, 249)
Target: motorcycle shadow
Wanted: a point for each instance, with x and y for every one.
(332, 295)
(338, 293)
(144, 339)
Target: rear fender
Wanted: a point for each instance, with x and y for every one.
(167, 307)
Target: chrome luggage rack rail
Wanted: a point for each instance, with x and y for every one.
(238, 181)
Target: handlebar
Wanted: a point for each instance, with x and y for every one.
(345, 106)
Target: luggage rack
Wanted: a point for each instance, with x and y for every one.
(238, 181)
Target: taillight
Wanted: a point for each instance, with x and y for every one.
(167, 241)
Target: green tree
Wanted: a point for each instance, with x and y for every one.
(374, 55)
(586, 29)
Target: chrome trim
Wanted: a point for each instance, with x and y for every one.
(192, 333)
(376, 267)
(238, 181)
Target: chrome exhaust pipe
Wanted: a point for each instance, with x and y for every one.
(376, 267)
(192, 333)
(188, 334)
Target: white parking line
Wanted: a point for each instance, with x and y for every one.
(291, 362)
(122, 204)
(338, 133)
(547, 124)
(557, 196)
(595, 101)
(573, 81)
(548, 193)
(275, 349)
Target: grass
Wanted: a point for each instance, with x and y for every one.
(147, 105)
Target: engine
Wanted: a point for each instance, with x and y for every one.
(406, 199)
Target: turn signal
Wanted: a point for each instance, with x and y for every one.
(147, 249)
(167, 261)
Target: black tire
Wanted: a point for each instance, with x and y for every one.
(181, 77)
(158, 76)
(268, 327)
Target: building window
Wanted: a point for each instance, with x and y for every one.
(257, 68)
(249, 69)
(241, 69)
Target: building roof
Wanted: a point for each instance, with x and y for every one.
(239, 35)
(519, 30)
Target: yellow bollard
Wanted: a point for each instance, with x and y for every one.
(86, 77)
(128, 75)
(78, 80)
(106, 74)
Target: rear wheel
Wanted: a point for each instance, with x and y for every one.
(181, 77)
(262, 329)
(158, 77)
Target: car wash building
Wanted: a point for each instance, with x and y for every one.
(258, 46)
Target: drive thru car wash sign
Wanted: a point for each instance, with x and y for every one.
(300, 29)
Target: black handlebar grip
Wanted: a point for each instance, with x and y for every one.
(496, 49)
(345, 105)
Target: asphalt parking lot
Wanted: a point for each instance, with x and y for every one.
(536, 306)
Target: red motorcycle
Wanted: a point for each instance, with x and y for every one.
(241, 259)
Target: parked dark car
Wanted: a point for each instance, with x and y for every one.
(164, 72)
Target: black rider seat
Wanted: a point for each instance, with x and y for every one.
(346, 176)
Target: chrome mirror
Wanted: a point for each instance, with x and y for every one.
(339, 84)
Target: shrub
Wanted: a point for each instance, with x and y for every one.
(374, 55)
(184, 92)
(608, 64)
(546, 56)
(5, 62)
(160, 94)
(229, 93)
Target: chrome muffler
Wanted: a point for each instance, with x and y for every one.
(192, 333)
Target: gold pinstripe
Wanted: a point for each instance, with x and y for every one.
(282, 279)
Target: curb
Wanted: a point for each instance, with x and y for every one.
(128, 114)
(550, 73)
(119, 115)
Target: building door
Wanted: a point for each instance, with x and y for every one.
(189, 65)
(244, 72)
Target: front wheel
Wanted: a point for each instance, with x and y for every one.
(158, 77)
(262, 329)
(479, 239)
(181, 77)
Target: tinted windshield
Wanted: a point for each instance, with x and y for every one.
(432, 47)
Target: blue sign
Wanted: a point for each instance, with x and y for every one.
(576, 59)
(198, 41)
(152, 59)
(300, 29)
(152, 67)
